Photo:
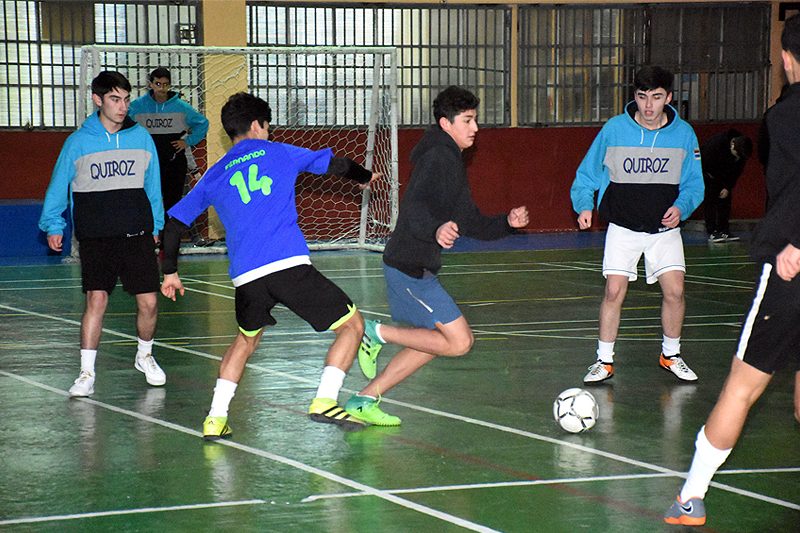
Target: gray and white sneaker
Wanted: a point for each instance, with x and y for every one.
(83, 386)
(152, 372)
(677, 366)
(690, 513)
(598, 372)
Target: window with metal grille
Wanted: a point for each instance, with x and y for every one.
(40, 45)
(438, 46)
(577, 63)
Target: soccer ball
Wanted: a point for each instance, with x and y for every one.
(575, 410)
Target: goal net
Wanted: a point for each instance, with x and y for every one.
(338, 97)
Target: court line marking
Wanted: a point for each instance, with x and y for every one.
(435, 412)
(557, 481)
(446, 517)
(119, 512)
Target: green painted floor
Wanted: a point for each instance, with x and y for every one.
(478, 449)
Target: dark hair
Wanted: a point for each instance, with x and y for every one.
(241, 110)
(790, 38)
(743, 146)
(107, 81)
(453, 101)
(160, 72)
(650, 78)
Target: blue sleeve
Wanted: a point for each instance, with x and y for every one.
(197, 123)
(313, 161)
(691, 188)
(57, 196)
(152, 184)
(590, 174)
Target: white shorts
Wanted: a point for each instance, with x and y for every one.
(662, 252)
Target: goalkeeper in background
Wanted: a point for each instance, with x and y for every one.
(252, 189)
(175, 126)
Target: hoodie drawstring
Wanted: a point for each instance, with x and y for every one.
(108, 137)
(653, 144)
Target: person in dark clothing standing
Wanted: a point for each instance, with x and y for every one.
(175, 126)
(437, 209)
(724, 156)
(770, 339)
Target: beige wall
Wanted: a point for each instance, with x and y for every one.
(232, 33)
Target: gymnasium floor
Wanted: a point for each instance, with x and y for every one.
(478, 449)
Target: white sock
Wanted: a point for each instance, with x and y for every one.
(223, 394)
(706, 462)
(87, 360)
(670, 346)
(378, 327)
(330, 383)
(144, 348)
(605, 351)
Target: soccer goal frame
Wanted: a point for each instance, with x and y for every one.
(339, 97)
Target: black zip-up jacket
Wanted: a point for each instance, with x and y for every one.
(781, 223)
(438, 192)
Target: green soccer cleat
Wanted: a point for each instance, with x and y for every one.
(366, 409)
(327, 411)
(216, 427)
(369, 349)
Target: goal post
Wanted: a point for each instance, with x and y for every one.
(344, 98)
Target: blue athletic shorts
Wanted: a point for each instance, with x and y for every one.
(419, 302)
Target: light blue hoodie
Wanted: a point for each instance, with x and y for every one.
(640, 173)
(111, 180)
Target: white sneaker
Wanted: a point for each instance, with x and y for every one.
(83, 386)
(598, 372)
(152, 372)
(677, 366)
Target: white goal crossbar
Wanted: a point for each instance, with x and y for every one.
(344, 98)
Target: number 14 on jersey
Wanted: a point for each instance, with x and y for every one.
(254, 183)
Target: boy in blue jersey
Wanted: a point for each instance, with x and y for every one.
(108, 172)
(175, 126)
(252, 189)
(770, 338)
(645, 167)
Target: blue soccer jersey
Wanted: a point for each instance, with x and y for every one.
(252, 189)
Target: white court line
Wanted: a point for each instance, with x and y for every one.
(119, 512)
(532, 482)
(443, 414)
(446, 517)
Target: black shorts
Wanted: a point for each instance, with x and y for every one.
(770, 338)
(130, 259)
(302, 289)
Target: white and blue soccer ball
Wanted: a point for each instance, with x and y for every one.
(576, 410)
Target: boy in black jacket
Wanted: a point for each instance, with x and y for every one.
(437, 208)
